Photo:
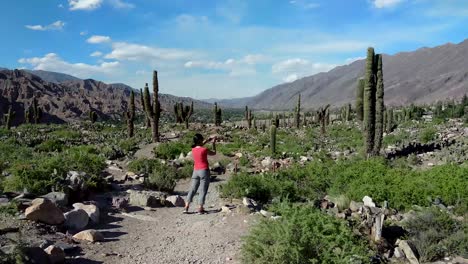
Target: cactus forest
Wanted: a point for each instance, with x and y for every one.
(357, 154)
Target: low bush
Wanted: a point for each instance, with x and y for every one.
(162, 178)
(427, 135)
(303, 235)
(185, 171)
(437, 234)
(171, 150)
(50, 146)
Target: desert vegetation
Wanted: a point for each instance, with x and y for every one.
(368, 183)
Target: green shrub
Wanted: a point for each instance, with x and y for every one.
(128, 145)
(303, 235)
(427, 135)
(243, 161)
(170, 150)
(186, 170)
(436, 234)
(162, 178)
(50, 146)
(143, 165)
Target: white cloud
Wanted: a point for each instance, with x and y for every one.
(83, 33)
(52, 62)
(84, 4)
(98, 39)
(386, 3)
(293, 69)
(57, 25)
(121, 4)
(137, 52)
(60, 6)
(334, 46)
(304, 4)
(96, 54)
(241, 67)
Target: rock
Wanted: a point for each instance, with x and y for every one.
(325, 204)
(225, 209)
(147, 198)
(176, 200)
(398, 253)
(59, 198)
(132, 175)
(36, 255)
(243, 210)
(218, 168)
(368, 201)
(249, 202)
(266, 213)
(114, 168)
(266, 162)
(355, 206)
(90, 235)
(120, 202)
(239, 155)
(91, 209)
(56, 254)
(76, 219)
(67, 248)
(409, 251)
(45, 211)
(181, 157)
(303, 159)
(77, 180)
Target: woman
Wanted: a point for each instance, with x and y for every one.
(201, 171)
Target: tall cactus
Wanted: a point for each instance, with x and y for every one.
(153, 107)
(359, 100)
(379, 106)
(390, 121)
(93, 116)
(369, 102)
(33, 113)
(183, 113)
(146, 119)
(248, 117)
(298, 112)
(218, 117)
(8, 117)
(323, 115)
(275, 121)
(273, 139)
(130, 116)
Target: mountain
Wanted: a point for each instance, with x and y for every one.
(422, 76)
(54, 77)
(72, 99)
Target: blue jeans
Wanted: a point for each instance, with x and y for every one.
(199, 177)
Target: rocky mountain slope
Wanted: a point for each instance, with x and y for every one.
(422, 76)
(71, 99)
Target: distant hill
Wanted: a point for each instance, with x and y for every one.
(54, 77)
(71, 99)
(422, 76)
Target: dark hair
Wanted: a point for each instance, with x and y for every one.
(197, 140)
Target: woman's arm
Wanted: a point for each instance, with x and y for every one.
(213, 151)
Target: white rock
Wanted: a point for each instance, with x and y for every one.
(225, 209)
(408, 250)
(368, 201)
(239, 155)
(266, 213)
(89, 235)
(91, 209)
(76, 219)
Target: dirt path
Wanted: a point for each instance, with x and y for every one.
(165, 235)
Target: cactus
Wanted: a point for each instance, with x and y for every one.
(146, 118)
(93, 116)
(389, 126)
(273, 139)
(369, 102)
(323, 115)
(27, 116)
(183, 113)
(130, 115)
(248, 117)
(153, 107)
(33, 113)
(379, 106)
(359, 100)
(8, 117)
(218, 118)
(298, 112)
(275, 121)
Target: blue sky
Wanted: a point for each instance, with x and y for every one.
(217, 48)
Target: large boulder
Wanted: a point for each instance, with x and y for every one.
(56, 254)
(91, 209)
(90, 235)
(35, 255)
(76, 219)
(59, 198)
(409, 250)
(368, 201)
(218, 168)
(147, 198)
(45, 211)
(175, 200)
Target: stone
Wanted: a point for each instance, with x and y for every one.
(266, 162)
(225, 209)
(249, 202)
(244, 210)
(77, 180)
(355, 206)
(175, 200)
(239, 155)
(409, 251)
(76, 219)
(266, 213)
(90, 235)
(181, 157)
(56, 254)
(91, 209)
(398, 253)
(36, 255)
(147, 198)
(368, 201)
(114, 168)
(218, 168)
(45, 211)
(59, 198)
(132, 175)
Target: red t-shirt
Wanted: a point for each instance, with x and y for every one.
(200, 158)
